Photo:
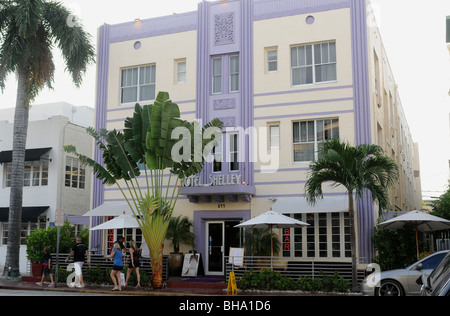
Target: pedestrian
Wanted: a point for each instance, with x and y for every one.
(116, 255)
(47, 267)
(79, 252)
(121, 242)
(135, 254)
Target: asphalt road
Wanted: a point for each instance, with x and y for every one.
(6, 292)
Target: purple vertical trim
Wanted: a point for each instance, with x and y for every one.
(246, 89)
(100, 122)
(362, 120)
(203, 66)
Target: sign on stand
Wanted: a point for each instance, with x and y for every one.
(232, 287)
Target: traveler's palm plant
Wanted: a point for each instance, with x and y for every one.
(150, 143)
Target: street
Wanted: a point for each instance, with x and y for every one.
(6, 292)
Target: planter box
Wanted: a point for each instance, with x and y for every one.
(37, 268)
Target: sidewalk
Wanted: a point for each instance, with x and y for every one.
(176, 287)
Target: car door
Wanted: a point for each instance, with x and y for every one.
(425, 266)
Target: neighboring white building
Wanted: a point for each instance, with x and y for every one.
(53, 179)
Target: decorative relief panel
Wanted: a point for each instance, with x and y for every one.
(224, 104)
(224, 28)
(228, 121)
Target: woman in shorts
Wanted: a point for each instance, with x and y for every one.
(116, 255)
(135, 254)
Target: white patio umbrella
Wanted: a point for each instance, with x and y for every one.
(272, 220)
(110, 209)
(421, 221)
(121, 222)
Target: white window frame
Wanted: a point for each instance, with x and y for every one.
(269, 61)
(335, 249)
(234, 75)
(138, 85)
(315, 140)
(32, 168)
(217, 151)
(217, 76)
(74, 162)
(299, 64)
(274, 134)
(233, 138)
(181, 75)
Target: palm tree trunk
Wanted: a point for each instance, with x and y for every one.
(351, 218)
(157, 271)
(18, 161)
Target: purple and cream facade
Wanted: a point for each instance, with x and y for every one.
(247, 62)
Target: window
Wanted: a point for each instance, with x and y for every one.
(217, 75)
(35, 173)
(327, 236)
(217, 157)
(223, 67)
(26, 228)
(234, 73)
(234, 152)
(272, 60)
(308, 135)
(138, 84)
(75, 174)
(274, 136)
(313, 63)
(181, 70)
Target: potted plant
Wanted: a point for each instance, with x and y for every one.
(39, 239)
(179, 231)
(36, 242)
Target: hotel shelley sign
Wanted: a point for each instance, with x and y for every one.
(215, 180)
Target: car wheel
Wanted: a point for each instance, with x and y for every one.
(390, 288)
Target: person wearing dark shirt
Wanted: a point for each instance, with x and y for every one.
(47, 267)
(79, 252)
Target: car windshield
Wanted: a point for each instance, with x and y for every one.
(432, 262)
(440, 271)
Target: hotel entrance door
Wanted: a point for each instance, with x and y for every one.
(220, 236)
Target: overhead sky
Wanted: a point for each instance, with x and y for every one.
(413, 33)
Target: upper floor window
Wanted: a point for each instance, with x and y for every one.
(308, 136)
(180, 71)
(313, 63)
(274, 136)
(138, 84)
(272, 59)
(75, 173)
(35, 173)
(226, 66)
(217, 75)
(234, 73)
(225, 155)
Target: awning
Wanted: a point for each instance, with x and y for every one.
(30, 154)
(329, 204)
(29, 213)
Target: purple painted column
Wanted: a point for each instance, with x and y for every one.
(100, 122)
(362, 121)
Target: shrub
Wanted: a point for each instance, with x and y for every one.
(270, 280)
(39, 239)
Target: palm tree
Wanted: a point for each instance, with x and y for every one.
(179, 232)
(150, 144)
(29, 30)
(358, 169)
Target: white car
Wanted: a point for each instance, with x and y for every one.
(401, 282)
